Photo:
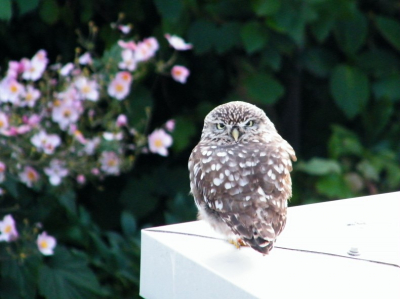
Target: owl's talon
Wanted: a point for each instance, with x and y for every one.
(237, 243)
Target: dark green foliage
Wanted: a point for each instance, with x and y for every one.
(327, 73)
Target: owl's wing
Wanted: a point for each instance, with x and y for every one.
(247, 186)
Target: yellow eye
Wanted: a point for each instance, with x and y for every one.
(250, 123)
(220, 126)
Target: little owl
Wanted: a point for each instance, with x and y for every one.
(239, 175)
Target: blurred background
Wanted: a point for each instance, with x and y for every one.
(326, 72)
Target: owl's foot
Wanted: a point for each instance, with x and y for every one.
(237, 243)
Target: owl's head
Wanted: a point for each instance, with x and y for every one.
(235, 122)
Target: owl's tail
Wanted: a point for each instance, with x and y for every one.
(261, 245)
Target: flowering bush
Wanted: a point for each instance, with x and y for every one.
(62, 125)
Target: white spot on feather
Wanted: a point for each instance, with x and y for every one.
(221, 154)
(217, 181)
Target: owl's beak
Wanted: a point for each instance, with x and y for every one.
(235, 134)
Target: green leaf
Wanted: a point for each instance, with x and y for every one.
(351, 34)
(350, 89)
(320, 61)
(202, 35)
(319, 166)
(68, 200)
(184, 131)
(265, 7)
(22, 274)
(334, 186)
(128, 223)
(67, 276)
(344, 142)
(368, 170)
(170, 9)
(390, 30)
(322, 27)
(5, 10)
(388, 88)
(262, 88)
(272, 58)
(26, 6)
(49, 11)
(227, 37)
(378, 62)
(254, 36)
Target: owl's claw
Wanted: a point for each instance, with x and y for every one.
(237, 243)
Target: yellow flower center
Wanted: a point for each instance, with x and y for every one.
(8, 229)
(158, 143)
(119, 87)
(43, 244)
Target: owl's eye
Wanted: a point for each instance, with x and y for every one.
(220, 126)
(250, 123)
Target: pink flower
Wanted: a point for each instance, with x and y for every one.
(122, 120)
(110, 163)
(34, 68)
(8, 229)
(29, 176)
(177, 43)
(119, 87)
(46, 142)
(81, 179)
(85, 59)
(146, 49)
(180, 73)
(56, 172)
(3, 168)
(88, 89)
(125, 28)
(127, 45)
(46, 243)
(159, 141)
(128, 60)
(14, 68)
(3, 122)
(170, 125)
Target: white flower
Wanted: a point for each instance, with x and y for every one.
(34, 68)
(112, 136)
(146, 49)
(159, 141)
(11, 90)
(119, 87)
(85, 59)
(88, 89)
(66, 69)
(31, 95)
(128, 60)
(109, 163)
(56, 172)
(29, 176)
(180, 73)
(46, 142)
(8, 229)
(91, 145)
(46, 243)
(178, 43)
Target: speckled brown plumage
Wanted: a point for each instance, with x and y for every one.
(240, 175)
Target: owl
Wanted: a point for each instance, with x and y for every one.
(240, 175)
